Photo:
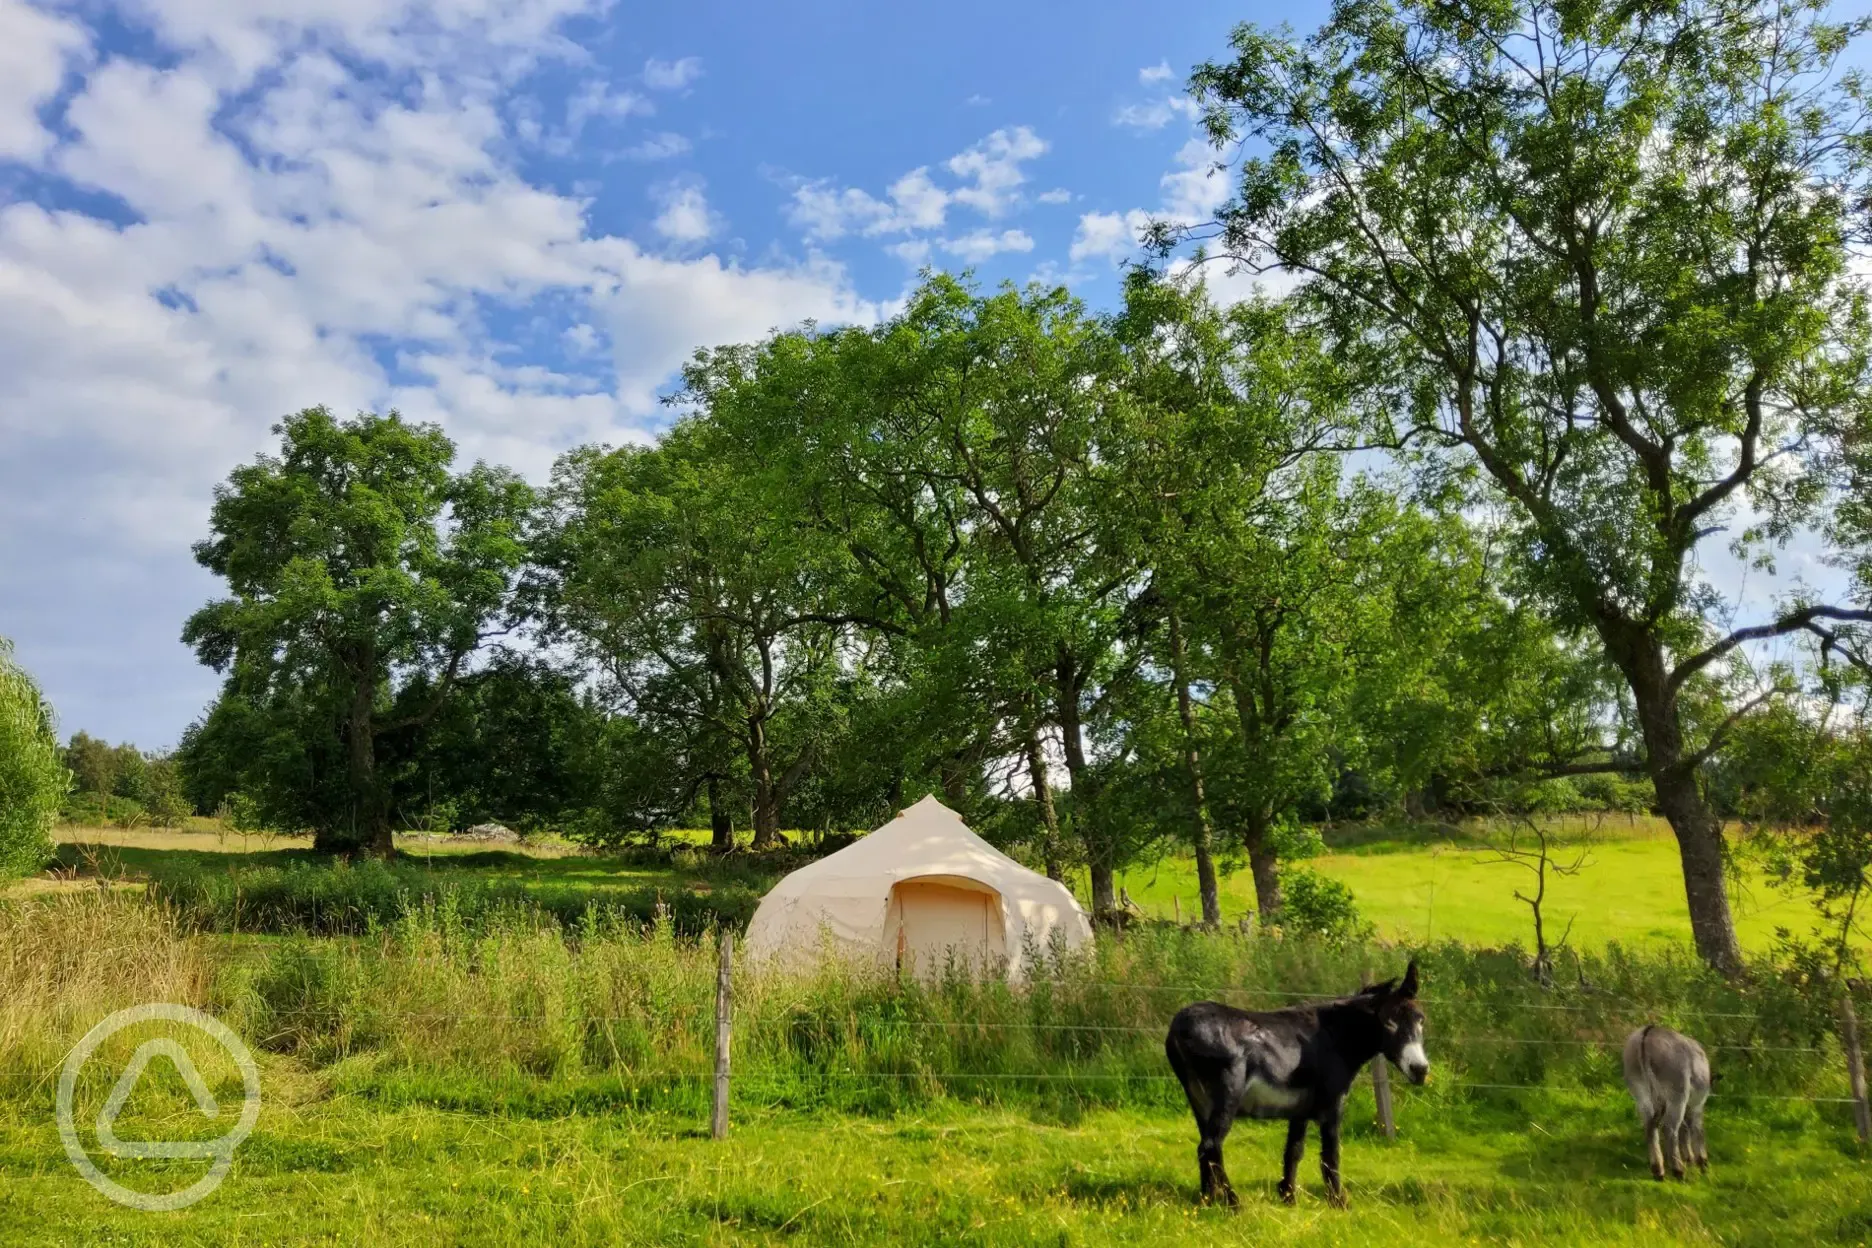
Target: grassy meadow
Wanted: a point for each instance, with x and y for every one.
(1424, 886)
(1416, 885)
(441, 1059)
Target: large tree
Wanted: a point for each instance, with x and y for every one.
(357, 561)
(1601, 250)
(701, 604)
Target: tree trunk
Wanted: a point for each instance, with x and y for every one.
(1262, 861)
(1640, 657)
(766, 794)
(1072, 740)
(721, 819)
(1043, 796)
(1192, 760)
(370, 823)
(1700, 849)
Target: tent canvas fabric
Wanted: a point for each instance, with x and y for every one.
(911, 892)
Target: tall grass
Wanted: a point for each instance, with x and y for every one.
(437, 1009)
(513, 1008)
(70, 960)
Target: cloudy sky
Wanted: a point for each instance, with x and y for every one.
(514, 217)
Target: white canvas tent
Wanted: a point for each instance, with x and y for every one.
(912, 893)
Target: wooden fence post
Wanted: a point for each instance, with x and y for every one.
(1855, 1067)
(1381, 1083)
(724, 977)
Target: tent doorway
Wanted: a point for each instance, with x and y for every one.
(935, 917)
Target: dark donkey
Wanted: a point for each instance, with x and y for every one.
(1297, 1063)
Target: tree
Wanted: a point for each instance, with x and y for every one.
(32, 779)
(1598, 251)
(1021, 449)
(1801, 775)
(357, 561)
(1217, 406)
(93, 764)
(699, 603)
(517, 744)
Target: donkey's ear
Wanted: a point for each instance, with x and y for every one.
(1408, 989)
(1378, 990)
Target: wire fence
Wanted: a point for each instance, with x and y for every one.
(807, 1074)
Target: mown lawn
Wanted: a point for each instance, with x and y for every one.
(1421, 888)
(1556, 1168)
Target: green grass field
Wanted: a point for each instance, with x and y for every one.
(1419, 890)
(1416, 887)
(516, 1083)
(1558, 1170)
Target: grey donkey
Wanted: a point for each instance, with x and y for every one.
(1669, 1077)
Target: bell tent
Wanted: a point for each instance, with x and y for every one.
(917, 891)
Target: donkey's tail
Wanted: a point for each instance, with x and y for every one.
(1647, 1093)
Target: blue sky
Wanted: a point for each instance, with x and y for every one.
(514, 217)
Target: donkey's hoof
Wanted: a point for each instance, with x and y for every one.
(1657, 1172)
(1338, 1200)
(1286, 1194)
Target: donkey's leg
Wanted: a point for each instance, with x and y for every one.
(1329, 1152)
(1699, 1146)
(1290, 1161)
(1653, 1121)
(1670, 1129)
(1215, 1130)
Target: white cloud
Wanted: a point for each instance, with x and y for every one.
(1058, 195)
(990, 175)
(1191, 194)
(596, 99)
(1194, 190)
(914, 252)
(993, 169)
(921, 204)
(1151, 75)
(981, 244)
(671, 75)
(35, 50)
(348, 227)
(660, 310)
(1156, 114)
(826, 213)
(977, 100)
(663, 146)
(1108, 235)
(686, 217)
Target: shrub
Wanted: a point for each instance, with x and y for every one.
(1320, 906)
(354, 898)
(32, 779)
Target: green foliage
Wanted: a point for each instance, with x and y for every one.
(357, 562)
(356, 898)
(1596, 256)
(1805, 783)
(32, 777)
(1319, 906)
(516, 744)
